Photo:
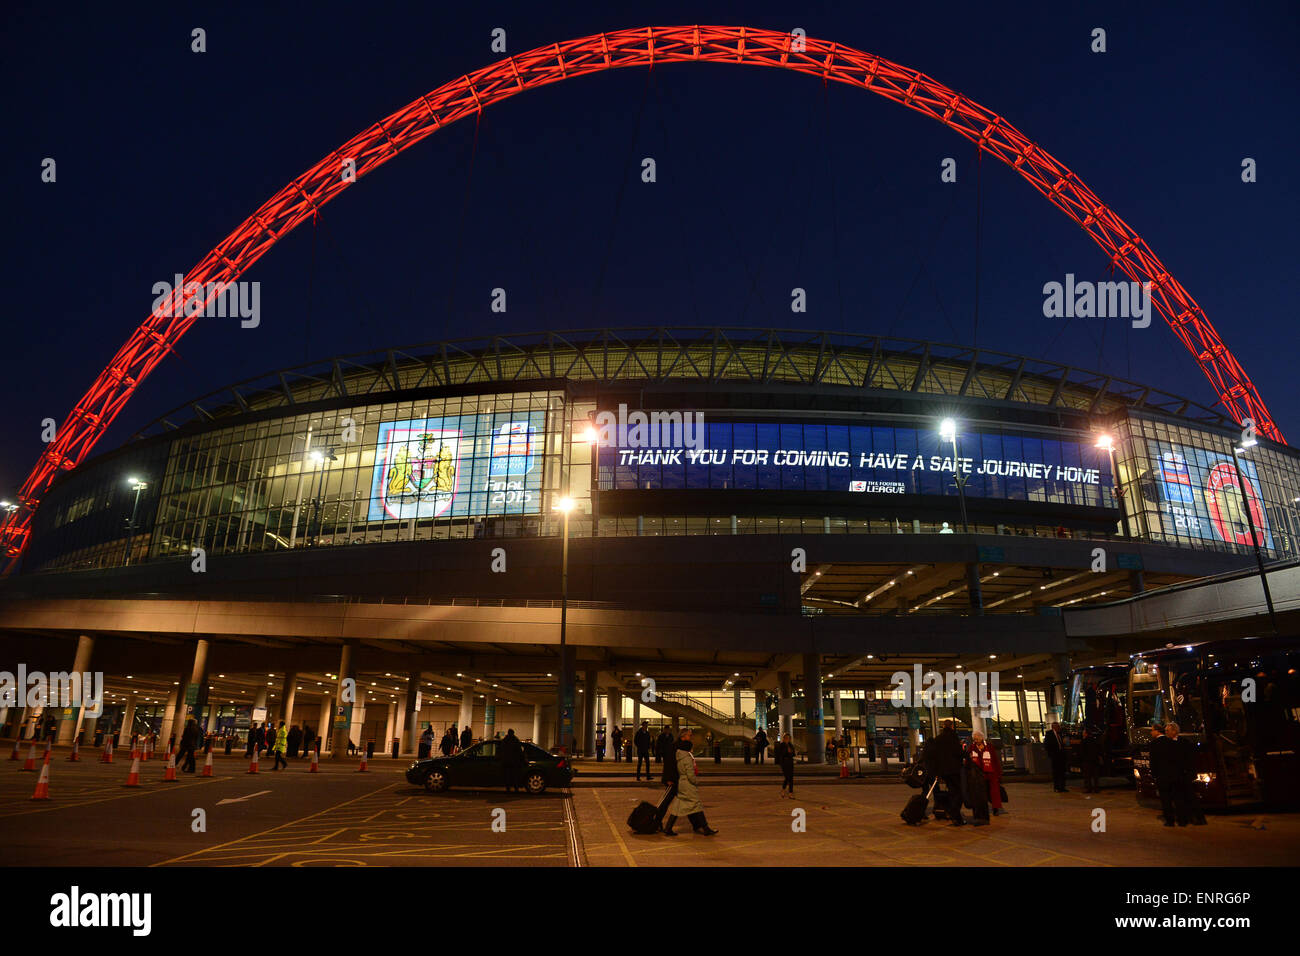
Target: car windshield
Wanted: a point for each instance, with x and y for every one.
(487, 748)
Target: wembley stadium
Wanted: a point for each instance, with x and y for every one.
(737, 514)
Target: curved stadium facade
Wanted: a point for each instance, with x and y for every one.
(801, 434)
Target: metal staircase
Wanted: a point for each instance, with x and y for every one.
(702, 715)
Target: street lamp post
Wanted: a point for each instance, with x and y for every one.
(139, 486)
(1254, 536)
(1108, 443)
(564, 690)
(948, 432)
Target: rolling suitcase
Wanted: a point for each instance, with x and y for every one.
(914, 812)
(645, 817)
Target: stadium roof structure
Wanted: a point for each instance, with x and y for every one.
(714, 356)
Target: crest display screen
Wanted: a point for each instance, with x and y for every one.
(458, 466)
(1200, 495)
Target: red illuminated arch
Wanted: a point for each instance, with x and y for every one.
(371, 148)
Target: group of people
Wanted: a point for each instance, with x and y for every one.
(279, 741)
(450, 743)
(970, 776)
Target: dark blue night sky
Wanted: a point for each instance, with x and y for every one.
(766, 181)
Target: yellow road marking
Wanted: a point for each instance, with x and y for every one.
(309, 816)
(618, 837)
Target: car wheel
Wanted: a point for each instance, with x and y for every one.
(436, 781)
(535, 782)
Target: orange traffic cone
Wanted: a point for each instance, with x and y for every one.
(43, 784)
(170, 772)
(207, 765)
(844, 771)
(252, 764)
(31, 758)
(14, 753)
(76, 749)
(107, 755)
(133, 778)
(362, 768)
(315, 761)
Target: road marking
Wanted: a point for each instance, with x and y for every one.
(573, 841)
(290, 823)
(618, 837)
(117, 796)
(241, 799)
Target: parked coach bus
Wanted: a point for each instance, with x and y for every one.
(1238, 701)
(1096, 699)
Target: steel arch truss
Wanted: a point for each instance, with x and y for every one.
(371, 148)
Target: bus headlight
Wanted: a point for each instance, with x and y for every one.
(1206, 778)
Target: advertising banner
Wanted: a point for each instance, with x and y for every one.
(1199, 494)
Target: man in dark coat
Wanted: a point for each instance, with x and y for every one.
(466, 738)
(641, 740)
(511, 751)
(1057, 749)
(616, 739)
(308, 738)
(1165, 769)
(665, 747)
(189, 740)
(944, 760)
(760, 744)
(295, 740)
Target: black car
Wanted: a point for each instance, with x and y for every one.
(480, 766)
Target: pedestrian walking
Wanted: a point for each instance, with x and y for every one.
(466, 738)
(189, 740)
(783, 755)
(280, 747)
(976, 780)
(760, 744)
(295, 741)
(511, 750)
(687, 802)
(616, 738)
(664, 746)
(1058, 748)
(641, 740)
(944, 758)
(426, 744)
(990, 761)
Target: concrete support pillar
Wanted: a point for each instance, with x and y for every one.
(636, 712)
(195, 695)
(88, 726)
(259, 700)
(537, 724)
(80, 665)
(785, 723)
(339, 735)
(128, 721)
(613, 716)
(975, 590)
(409, 719)
(735, 703)
(814, 726)
(589, 714)
(390, 726)
(170, 724)
(466, 712)
(489, 715)
(288, 691)
(212, 720)
(839, 713)
(1022, 707)
(324, 722)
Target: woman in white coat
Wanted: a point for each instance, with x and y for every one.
(687, 802)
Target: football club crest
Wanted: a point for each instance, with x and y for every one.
(421, 472)
(1227, 510)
